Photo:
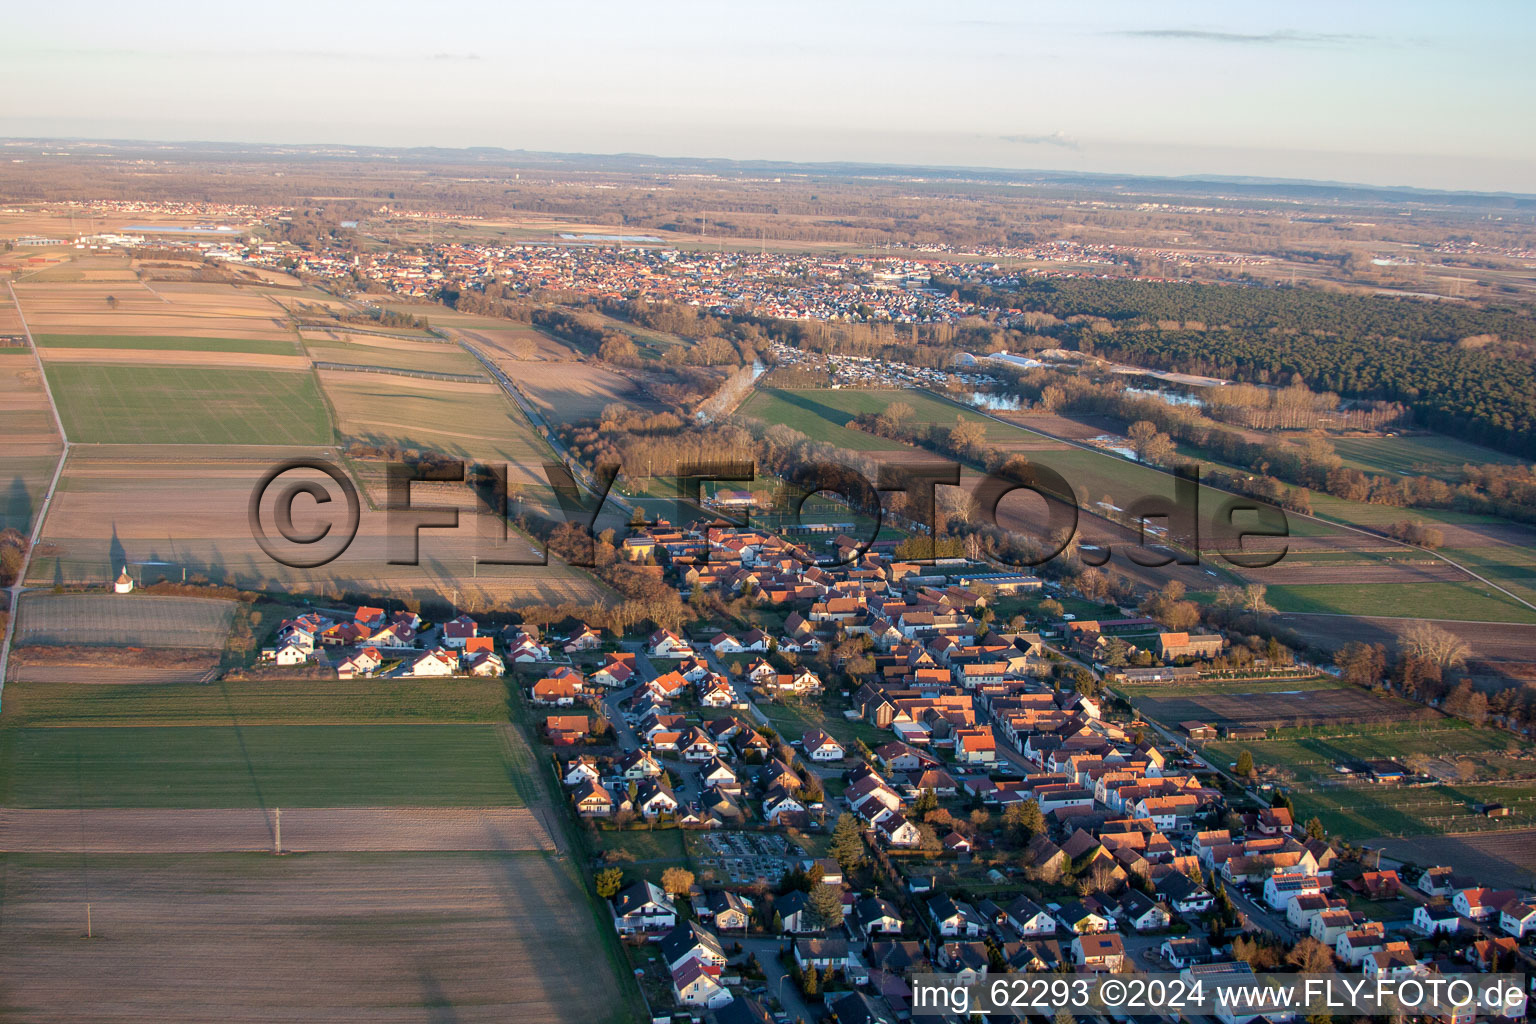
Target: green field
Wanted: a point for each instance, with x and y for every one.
(792, 721)
(823, 415)
(168, 343)
(1432, 455)
(1465, 601)
(255, 766)
(188, 405)
(275, 702)
(1511, 566)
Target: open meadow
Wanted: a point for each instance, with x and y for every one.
(258, 702)
(1433, 455)
(333, 936)
(135, 404)
(257, 766)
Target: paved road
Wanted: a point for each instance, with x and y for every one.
(779, 984)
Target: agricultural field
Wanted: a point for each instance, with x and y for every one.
(117, 620)
(1504, 858)
(395, 353)
(258, 702)
(449, 417)
(1491, 642)
(167, 343)
(1326, 568)
(32, 443)
(187, 507)
(1463, 599)
(132, 404)
(1433, 455)
(161, 830)
(247, 765)
(577, 391)
(1302, 703)
(163, 308)
(505, 340)
(327, 936)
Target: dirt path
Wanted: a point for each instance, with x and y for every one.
(305, 830)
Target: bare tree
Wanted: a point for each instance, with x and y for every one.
(1433, 645)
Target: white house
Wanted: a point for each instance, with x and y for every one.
(291, 653)
(1030, 918)
(956, 918)
(654, 799)
(1441, 920)
(1518, 918)
(1280, 889)
(434, 663)
(818, 746)
(1480, 904)
(1436, 881)
(364, 663)
(666, 644)
(896, 830)
(457, 631)
(780, 803)
(692, 985)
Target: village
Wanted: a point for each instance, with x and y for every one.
(885, 778)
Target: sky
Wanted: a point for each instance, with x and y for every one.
(1436, 95)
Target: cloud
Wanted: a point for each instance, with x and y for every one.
(1280, 37)
(1061, 139)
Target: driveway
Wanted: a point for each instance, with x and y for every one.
(780, 985)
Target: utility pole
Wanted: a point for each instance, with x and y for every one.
(277, 839)
(88, 920)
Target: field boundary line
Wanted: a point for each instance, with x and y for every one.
(19, 587)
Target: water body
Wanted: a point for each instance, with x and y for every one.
(1168, 397)
(995, 402)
